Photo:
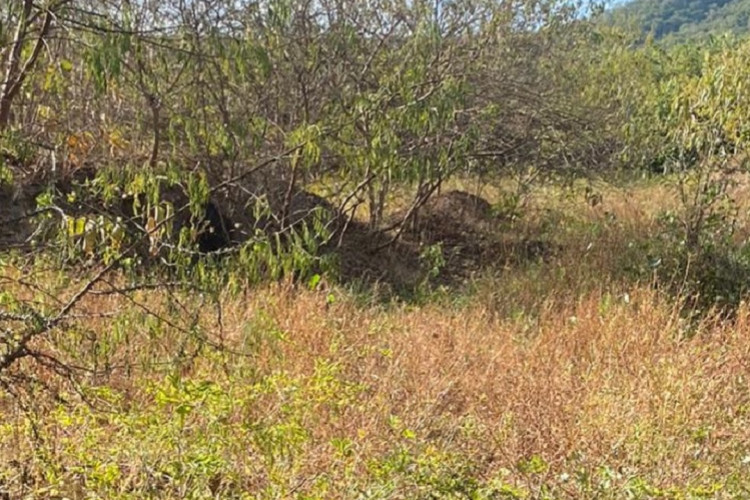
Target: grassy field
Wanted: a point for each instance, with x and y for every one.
(573, 374)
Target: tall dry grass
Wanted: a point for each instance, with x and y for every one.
(555, 379)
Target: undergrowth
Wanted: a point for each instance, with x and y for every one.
(576, 375)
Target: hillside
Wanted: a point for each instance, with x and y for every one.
(686, 19)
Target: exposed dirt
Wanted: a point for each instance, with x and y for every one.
(459, 205)
(472, 237)
(463, 224)
(458, 221)
(372, 257)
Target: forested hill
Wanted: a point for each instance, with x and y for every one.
(686, 19)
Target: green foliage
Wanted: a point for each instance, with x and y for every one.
(376, 104)
(14, 151)
(681, 20)
(707, 126)
(6, 175)
(682, 110)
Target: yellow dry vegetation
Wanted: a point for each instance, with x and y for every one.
(554, 380)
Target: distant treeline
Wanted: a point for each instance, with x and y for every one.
(679, 20)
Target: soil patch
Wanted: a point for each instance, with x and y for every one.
(463, 224)
(470, 234)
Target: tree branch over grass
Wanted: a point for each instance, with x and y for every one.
(36, 323)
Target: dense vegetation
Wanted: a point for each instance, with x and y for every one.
(375, 250)
(680, 20)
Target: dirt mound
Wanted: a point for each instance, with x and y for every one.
(469, 234)
(448, 218)
(372, 256)
(460, 222)
(458, 205)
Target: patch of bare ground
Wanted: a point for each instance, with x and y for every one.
(472, 236)
(463, 224)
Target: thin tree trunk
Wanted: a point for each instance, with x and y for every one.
(12, 64)
(15, 74)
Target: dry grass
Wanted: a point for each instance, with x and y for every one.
(554, 380)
